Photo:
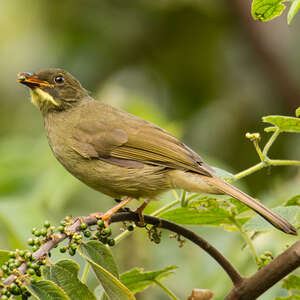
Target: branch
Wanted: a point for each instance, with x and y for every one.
(45, 249)
(252, 287)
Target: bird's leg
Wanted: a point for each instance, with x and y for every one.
(106, 216)
(139, 211)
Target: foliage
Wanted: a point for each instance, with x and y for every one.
(266, 10)
(60, 280)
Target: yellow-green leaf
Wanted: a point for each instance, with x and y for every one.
(285, 124)
(65, 274)
(265, 10)
(298, 112)
(46, 290)
(292, 282)
(102, 263)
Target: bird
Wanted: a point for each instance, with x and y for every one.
(119, 154)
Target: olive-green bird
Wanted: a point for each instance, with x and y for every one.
(119, 154)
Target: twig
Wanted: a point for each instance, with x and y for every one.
(252, 287)
(131, 216)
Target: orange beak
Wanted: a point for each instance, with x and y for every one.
(32, 81)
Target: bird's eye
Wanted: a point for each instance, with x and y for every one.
(59, 79)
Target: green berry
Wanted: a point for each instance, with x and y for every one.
(4, 291)
(37, 233)
(30, 241)
(12, 254)
(87, 233)
(72, 252)
(111, 242)
(33, 280)
(22, 253)
(35, 248)
(130, 228)
(4, 297)
(100, 223)
(29, 265)
(36, 267)
(83, 226)
(61, 228)
(47, 224)
(33, 230)
(63, 249)
(30, 271)
(107, 231)
(103, 240)
(44, 232)
(74, 246)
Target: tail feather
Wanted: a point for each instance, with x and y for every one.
(265, 212)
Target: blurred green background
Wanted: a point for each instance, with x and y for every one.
(201, 69)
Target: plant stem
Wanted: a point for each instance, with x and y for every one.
(247, 240)
(270, 142)
(85, 272)
(157, 213)
(248, 171)
(167, 291)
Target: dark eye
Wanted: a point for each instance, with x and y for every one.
(59, 79)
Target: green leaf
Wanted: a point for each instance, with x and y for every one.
(290, 213)
(65, 274)
(137, 280)
(207, 210)
(292, 282)
(293, 201)
(4, 257)
(292, 11)
(298, 112)
(104, 266)
(46, 290)
(285, 124)
(265, 10)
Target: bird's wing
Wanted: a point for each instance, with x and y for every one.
(135, 141)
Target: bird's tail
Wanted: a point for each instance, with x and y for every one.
(265, 212)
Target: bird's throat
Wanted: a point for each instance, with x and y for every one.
(41, 98)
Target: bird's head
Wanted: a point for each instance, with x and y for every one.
(53, 89)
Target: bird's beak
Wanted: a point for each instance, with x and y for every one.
(32, 81)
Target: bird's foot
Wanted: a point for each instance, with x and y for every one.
(106, 216)
(139, 211)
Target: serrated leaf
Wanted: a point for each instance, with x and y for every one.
(265, 10)
(293, 201)
(46, 290)
(208, 210)
(65, 274)
(137, 280)
(292, 11)
(104, 266)
(285, 124)
(298, 112)
(292, 282)
(290, 213)
(4, 257)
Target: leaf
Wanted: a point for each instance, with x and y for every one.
(292, 12)
(206, 210)
(4, 257)
(104, 266)
(265, 10)
(65, 274)
(46, 290)
(293, 201)
(290, 213)
(137, 280)
(292, 282)
(298, 112)
(285, 124)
